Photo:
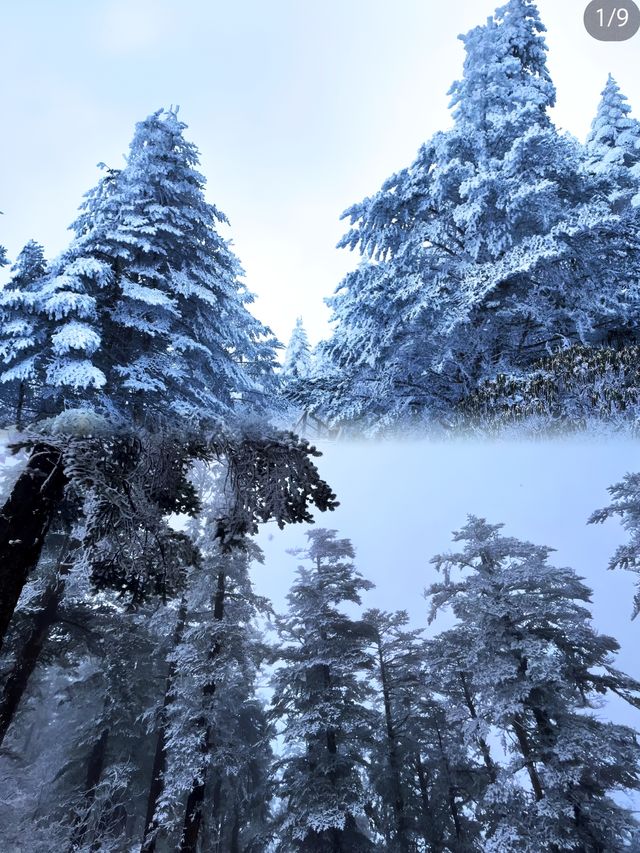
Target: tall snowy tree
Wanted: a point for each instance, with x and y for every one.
(422, 774)
(177, 337)
(535, 665)
(397, 674)
(209, 780)
(149, 308)
(319, 704)
(492, 249)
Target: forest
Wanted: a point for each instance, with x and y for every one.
(150, 699)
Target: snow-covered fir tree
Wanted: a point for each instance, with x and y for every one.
(214, 789)
(170, 333)
(398, 679)
(612, 147)
(297, 359)
(493, 249)
(149, 330)
(422, 776)
(535, 667)
(320, 691)
(24, 331)
(625, 504)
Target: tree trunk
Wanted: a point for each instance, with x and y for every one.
(195, 800)
(29, 653)
(484, 746)
(451, 794)
(19, 406)
(525, 748)
(24, 522)
(95, 765)
(423, 784)
(156, 786)
(394, 759)
(234, 843)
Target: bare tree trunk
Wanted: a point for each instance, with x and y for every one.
(195, 800)
(24, 522)
(158, 771)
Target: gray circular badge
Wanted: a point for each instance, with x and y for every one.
(612, 20)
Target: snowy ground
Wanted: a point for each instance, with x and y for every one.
(400, 502)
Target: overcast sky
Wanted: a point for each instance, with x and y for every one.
(299, 109)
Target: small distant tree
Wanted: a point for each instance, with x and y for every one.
(612, 148)
(24, 333)
(423, 777)
(297, 359)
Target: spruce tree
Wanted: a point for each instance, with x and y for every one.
(625, 504)
(424, 779)
(152, 348)
(535, 666)
(612, 148)
(24, 331)
(319, 704)
(491, 250)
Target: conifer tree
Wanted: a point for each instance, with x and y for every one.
(625, 504)
(319, 704)
(425, 780)
(491, 250)
(397, 674)
(535, 664)
(24, 331)
(217, 736)
(612, 147)
(209, 780)
(172, 311)
(297, 359)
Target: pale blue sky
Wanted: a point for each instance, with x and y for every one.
(400, 503)
(299, 109)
